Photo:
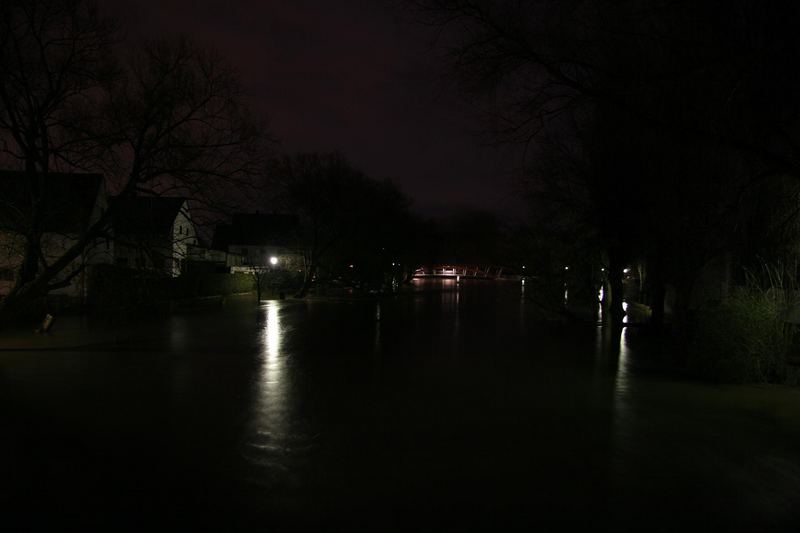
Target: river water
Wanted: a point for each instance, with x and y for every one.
(448, 408)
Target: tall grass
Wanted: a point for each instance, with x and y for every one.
(744, 338)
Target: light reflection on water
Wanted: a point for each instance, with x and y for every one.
(377, 341)
(272, 343)
(468, 406)
(269, 437)
(450, 302)
(622, 377)
(624, 433)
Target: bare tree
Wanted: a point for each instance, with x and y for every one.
(666, 105)
(167, 117)
(345, 216)
(54, 59)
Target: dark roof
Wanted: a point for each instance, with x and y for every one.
(67, 200)
(146, 215)
(257, 229)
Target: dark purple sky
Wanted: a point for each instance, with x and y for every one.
(351, 75)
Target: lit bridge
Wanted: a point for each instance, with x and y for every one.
(466, 271)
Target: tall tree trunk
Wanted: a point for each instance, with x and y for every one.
(307, 280)
(258, 289)
(40, 284)
(683, 295)
(408, 274)
(658, 294)
(657, 289)
(30, 262)
(615, 268)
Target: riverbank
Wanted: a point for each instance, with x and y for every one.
(78, 331)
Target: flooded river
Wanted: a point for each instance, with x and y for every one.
(448, 408)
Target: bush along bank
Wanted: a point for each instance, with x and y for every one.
(117, 288)
(742, 339)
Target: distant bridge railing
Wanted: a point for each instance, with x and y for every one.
(465, 271)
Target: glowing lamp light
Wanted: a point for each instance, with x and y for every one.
(273, 260)
(626, 270)
(566, 268)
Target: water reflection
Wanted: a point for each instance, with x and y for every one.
(271, 383)
(377, 341)
(290, 414)
(273, 367)
(450, 303)
(622, 378)
(625, 433)
(269, 436)
(600, 303)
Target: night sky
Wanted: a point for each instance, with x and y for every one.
(360, 78)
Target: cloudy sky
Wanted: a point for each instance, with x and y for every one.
(355, 76)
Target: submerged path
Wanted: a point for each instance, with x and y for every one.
(454, 410)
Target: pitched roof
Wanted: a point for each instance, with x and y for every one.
(67, 200)
(146, 215)
(256, 229)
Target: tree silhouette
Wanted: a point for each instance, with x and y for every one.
(346, 218)
(660, 114)
(166, 117)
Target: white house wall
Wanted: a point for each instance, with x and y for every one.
(183, 235)
(54, 245)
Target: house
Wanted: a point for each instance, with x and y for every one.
(202, 259)
(153, 233)
(69, 204)
(261, 240)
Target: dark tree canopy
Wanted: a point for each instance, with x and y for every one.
(346, 217)
(647, 124)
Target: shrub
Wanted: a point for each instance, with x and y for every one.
(742, 339)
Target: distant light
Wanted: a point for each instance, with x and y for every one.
(351, 266)
(523, 281)
(600, 294)
(273, 260)
(523, 266)
(602, 269)
(566, 268)
(626, 270)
